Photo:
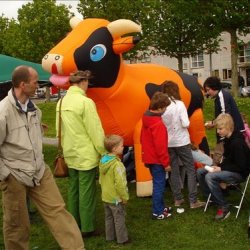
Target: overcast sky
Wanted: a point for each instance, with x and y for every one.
(9, 7)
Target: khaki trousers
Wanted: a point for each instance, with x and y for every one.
(49, 203)
(115, 227)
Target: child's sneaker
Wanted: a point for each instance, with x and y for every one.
(162, 216)
(222, 214)
(167, 209)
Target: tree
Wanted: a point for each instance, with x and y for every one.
(4, 23)
(183, 29)
(40, 25)
(232, 16)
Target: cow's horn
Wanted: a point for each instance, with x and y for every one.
(123, 26)
(74, 21)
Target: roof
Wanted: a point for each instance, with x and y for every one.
(8, 64)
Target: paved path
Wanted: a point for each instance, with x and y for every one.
(50, 141)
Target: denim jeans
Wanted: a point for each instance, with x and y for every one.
(210, 183)
(159, 184)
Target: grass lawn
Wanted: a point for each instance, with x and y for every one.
(193, 229)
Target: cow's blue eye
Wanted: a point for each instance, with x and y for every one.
(98, 52)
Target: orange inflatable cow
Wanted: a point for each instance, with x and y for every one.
(121, 91)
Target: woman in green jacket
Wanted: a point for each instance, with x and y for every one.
(82, 142)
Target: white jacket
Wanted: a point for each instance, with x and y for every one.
(177, 122)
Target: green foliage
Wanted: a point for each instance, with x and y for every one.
(183, 29)
(3, 27)
(41, 24)
(232, 16)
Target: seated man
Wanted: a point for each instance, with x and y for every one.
(232, 169)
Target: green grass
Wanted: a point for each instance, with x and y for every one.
(49, 117)
(193, 229)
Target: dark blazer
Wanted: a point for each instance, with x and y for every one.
(224, 103)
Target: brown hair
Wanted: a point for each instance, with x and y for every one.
(79, 75)
(224, 121)
(20, 74)
(171, 89)
(111, 141)
(159, 100)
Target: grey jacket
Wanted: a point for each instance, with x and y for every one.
(20, 142)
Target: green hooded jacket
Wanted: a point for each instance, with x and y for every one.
(82, 133)
(113, 179)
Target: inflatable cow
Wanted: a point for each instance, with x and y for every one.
(121, 91)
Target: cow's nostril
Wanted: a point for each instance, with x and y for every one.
(57, 58)
(54, 69)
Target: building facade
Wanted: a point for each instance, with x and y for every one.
(216, 64)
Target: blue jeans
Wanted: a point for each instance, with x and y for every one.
(210, 183)
(159, 184)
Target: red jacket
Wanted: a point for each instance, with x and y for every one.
(154, 140)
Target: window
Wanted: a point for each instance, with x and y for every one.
(198, 61)
(244, 53)
(215, 73)
(227, 73)
(185, 63)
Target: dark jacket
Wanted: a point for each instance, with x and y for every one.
(154, 140)
(241, 81)
(236, 157)
(224, 103)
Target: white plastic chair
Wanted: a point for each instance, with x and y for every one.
(242, 191)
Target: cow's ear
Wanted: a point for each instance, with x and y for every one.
(151, 88)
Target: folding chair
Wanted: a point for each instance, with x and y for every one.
(243, 193)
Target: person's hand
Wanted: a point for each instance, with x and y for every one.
(168, 169)
(209, 124)
(217, 169)
(212, 169)
(124, 202)
(45, 127)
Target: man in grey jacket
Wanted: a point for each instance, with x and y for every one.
(23, 171)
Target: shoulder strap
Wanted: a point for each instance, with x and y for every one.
(60, 150)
